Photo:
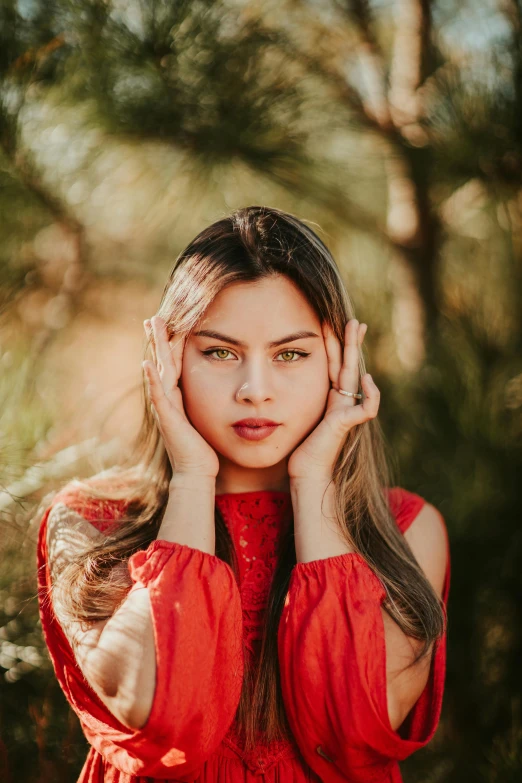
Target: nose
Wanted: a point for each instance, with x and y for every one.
(255, 385)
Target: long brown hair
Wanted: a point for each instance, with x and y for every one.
(253, 243)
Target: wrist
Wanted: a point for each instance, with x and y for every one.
(310, 495)
(318, 530)
(188, 517)
(305, 483)
(192, 481)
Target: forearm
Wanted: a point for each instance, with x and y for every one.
(123, 662)
(317, 537)
(118, 659)
(317, 533)
(189, 515)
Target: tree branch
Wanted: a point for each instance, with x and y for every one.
(409, 61)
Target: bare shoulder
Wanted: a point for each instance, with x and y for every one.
(427, 537)
(68, 533)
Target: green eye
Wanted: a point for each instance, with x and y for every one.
(218, 351)
(299, 354)
(218, 358)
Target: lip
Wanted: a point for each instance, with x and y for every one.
(255, 429)
(255, 422)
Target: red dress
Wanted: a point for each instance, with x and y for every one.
(331, 651)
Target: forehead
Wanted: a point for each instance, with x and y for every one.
(266, 305)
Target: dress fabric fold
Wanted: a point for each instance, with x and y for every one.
(330, 646)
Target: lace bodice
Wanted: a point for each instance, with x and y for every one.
(256, 521)
(331, 652)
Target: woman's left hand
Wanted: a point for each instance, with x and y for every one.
(315, 457)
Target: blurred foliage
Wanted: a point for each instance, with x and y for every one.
(456, 429)
(127, 126)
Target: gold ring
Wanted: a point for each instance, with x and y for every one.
(350, 394)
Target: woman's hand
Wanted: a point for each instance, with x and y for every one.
(316, 456)
(188, 451)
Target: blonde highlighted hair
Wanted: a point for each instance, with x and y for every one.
(250, 244)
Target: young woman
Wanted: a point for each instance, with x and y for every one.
(248, 598)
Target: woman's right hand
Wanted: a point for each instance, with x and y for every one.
(188, 451)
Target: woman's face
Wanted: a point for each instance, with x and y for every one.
(240, 372)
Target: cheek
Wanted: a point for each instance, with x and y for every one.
(319, 381)
(310, 394)
(200, 392)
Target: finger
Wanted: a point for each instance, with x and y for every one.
(358, 414)
(349, 374)
(150, 337)
(334, 354)
(148, 391)
(371, 402)
(164, 362)
(159, 401)
(177, 344)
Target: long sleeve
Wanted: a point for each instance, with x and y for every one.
(332, 658)
(197, 620)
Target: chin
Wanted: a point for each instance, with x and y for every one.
(252, 457)
(259, 463)
(255, 460)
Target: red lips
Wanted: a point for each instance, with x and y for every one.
(255, 423)
(255, 429)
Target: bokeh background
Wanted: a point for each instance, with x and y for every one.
(395, 127)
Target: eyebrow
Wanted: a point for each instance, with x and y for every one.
(273, 344)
